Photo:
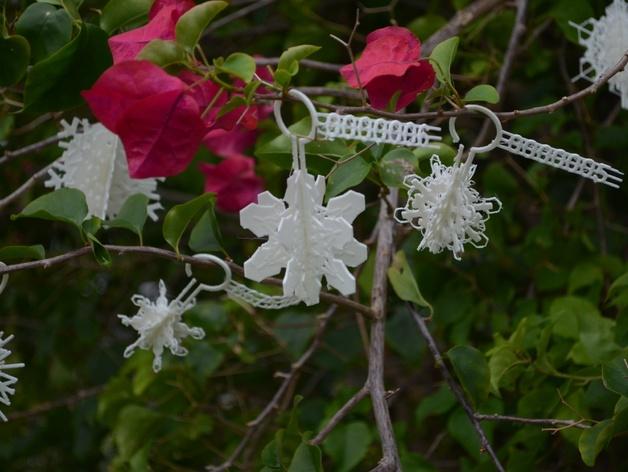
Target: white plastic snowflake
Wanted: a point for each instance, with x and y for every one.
(94, 162)
(307, 238)
(160, 326)
(446, 209)
(6, 381)
(606, 41)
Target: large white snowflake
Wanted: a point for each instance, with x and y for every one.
(307, 238)
(159, 325)
(6, 381)
(606, 41)
(446, 209)
(94, 162)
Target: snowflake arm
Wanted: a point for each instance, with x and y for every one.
(7, 381)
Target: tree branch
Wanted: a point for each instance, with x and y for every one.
(324, 66)
(53, 405)
(26, 186)
(340, 414)
(539, 421)
(12, 154)
(236, 15)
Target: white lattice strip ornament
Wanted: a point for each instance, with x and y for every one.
(159, 325)
(94, 162)
(446, 209)
(7, 381)
(606, 41)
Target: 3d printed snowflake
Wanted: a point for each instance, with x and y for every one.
(446, 209)
(94, 162)
(606, 41)
(307, 238)
(6, 381)
(159, 326)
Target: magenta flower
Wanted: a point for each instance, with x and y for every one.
(233, 181)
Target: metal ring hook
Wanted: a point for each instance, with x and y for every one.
(218, 261)
(300, 96)
(5, 278)
(491, 116)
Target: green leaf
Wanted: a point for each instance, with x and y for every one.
(404, 284)
(14, 56)
(192, 23)
(239, 65)
(437, 403)
(395, 165)
(206, 236)
(472, 370)
(593, 440)
(179, 217)
(56, 82)
(162, 53)
(288, 65)
(620, 283)
(66, 204)
(294, 330)
(444, 151)
(306, 459)
(132, 215)
(10, 253)
(47, 29)
(482, 93)
(99, 251)
(348, 445)
(347, 175)
(442, 57)
(134, 428)
(615, 375)
(119, 13)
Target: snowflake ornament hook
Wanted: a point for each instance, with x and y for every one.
(300, 96)
(491, 116)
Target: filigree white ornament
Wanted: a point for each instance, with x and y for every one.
(446, 209)
(305, 237)
(606, 41)
(94, 162)
(6, 380)
(159, 325)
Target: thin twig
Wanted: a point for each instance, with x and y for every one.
(455, 388)
(242, 12)
(347, 45)
(12, 154)
(325, 66)
(540, 421)
(26, 186)
(339, 415)
(53, 405)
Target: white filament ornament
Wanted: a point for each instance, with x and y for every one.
(6, 380)
(606, 41)
(159, 325)
(446, 209)
(94, 162)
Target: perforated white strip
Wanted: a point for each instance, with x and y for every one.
(332, 126)
(259, 299)
(561, 159)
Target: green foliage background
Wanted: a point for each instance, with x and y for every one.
(537, 322)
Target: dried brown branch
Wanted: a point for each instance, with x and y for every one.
(324, 66)
(347, 45)
(256, 425)
(39, 145)
(26, 186)
(539, 421)
(339, 415)
(455, 388)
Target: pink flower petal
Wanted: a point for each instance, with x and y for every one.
(418, 78)
(227, 143)
(179, 7)
(233, 181)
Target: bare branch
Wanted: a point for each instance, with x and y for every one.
(325, 66)
(53, 405)
(339, 415)
(539, 421)
(12, 154)
(26, 186)
(242, 12)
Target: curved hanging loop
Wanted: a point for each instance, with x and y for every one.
(5, 278)
(300, 96)
(491, 116)
(218, 261)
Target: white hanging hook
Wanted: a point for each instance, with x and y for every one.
(491, 116)
(218, 261)
(300, 96)
(5, 278)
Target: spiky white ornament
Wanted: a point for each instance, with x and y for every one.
(446, 209)
(606, 41)
(94, 162)
(6, 381)
(307, 238)
(159, 325)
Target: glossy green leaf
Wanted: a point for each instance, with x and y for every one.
(404, 284)
(132, 215)
(11, 253)
(593, 440)
(100, 252)
(206, 235)
(442, 57)
(239, 65)
(347, 175)
(66, 204)
(135, 430)
(56, 82)
(438, 403)
(288, 65)
(118, 13)
(14, 57)
(472, 371)
(615, 375)
(47, 29)
(395, 165)
(192, 23)
(179, 218)
(347, 445)
(163, 53)
(306, 459)
(482, 93)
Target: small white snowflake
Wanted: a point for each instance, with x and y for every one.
(94, 162)
(446, 209)
(6, 381)
(159, 325)
(606, 41)
(307, 238)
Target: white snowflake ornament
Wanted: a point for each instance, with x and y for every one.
(6, 381)
(606, 41)
(307, 238)
(446, 209)
(94, 162)
(159, 325)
